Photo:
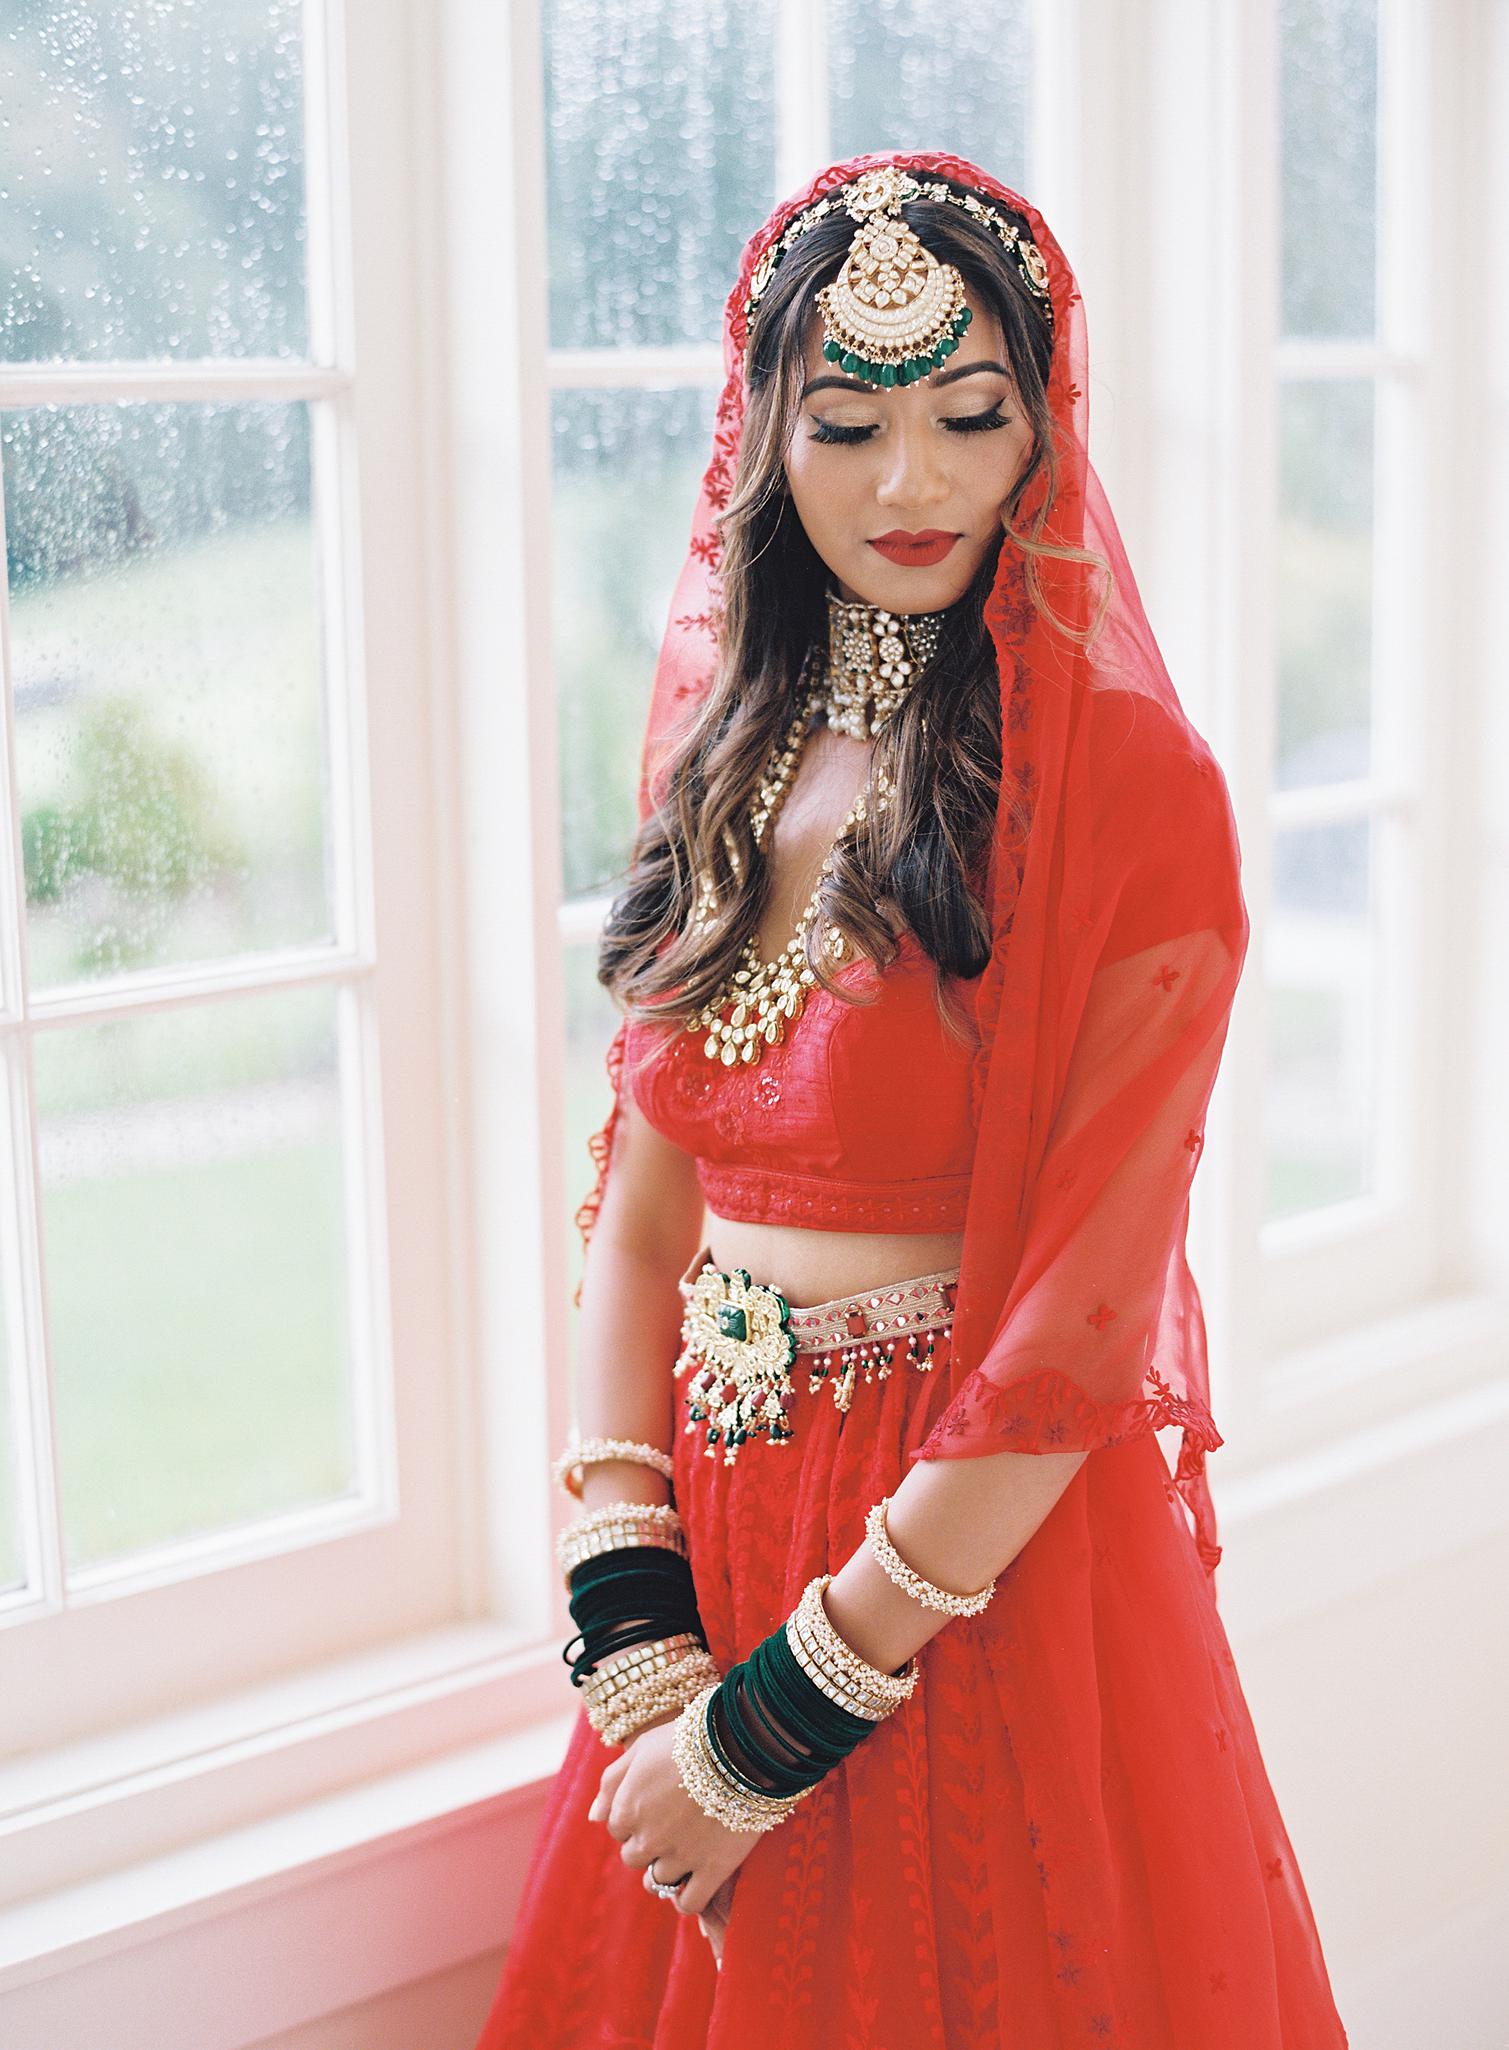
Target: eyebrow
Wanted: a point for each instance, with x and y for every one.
(939, 377)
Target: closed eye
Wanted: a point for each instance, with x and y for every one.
(959, 423)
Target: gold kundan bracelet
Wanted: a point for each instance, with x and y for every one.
(832, 1664)
(613, 1525)
(636, 1687)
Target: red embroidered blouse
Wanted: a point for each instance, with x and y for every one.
(859, 1120)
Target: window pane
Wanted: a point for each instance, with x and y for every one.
(170, 720)
(910, 76)
(628, 465)
(660, 142)
(195, 1243)
(154, 175)
(1325, 574)
(1322, 961)
(1328, 92)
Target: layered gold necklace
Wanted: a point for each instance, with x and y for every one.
(874, 658)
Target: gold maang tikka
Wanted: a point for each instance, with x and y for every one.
(895, 313)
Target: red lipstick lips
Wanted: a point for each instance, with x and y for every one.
(918, 550)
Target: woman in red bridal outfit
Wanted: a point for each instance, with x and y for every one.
(908, 1716)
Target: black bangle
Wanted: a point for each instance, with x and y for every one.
(625, 1597)
(771, 1690)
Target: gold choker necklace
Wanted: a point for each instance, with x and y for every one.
(874, 659)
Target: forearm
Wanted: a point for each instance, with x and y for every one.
(957, 1522)
(628, 1336)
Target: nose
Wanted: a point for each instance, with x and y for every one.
(913, 473)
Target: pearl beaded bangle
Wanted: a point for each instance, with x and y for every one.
(579, 1454)
(912, 1582)
(635, 1688)
(715, 1792)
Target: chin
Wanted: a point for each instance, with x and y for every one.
(915, 590)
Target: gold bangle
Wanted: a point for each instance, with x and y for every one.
(720, 1798)
(638, 1686)
(912, 1582)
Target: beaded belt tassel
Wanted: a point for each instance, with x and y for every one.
(736, 1332)
(872, 1357)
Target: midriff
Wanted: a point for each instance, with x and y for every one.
(815, 1266)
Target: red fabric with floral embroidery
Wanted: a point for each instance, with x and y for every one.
(1067, 1838)
(816, 1133)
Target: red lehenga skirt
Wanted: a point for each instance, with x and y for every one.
(1065, 1838)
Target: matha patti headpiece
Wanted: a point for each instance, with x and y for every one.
(895, 313)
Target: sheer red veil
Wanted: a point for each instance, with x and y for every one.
(1119, 936)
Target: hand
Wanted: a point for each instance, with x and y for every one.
(713, 1921)
(641, 1800)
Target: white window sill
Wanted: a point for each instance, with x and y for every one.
(150, 1789)
(1349, 1514)
(271, 1926)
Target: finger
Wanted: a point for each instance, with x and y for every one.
(611, 1774)
(695, 1895)
(714, 1935)
(601, 1809)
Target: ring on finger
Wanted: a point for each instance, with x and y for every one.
(666, 1890)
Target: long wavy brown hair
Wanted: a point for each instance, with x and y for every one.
(920, 862)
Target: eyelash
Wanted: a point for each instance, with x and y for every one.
(961, 423)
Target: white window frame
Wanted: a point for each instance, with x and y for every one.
(446, 1738)
(166, 1662)
(1342, 1320)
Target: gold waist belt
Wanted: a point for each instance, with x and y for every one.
(742, 1338)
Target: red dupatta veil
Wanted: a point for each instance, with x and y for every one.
(1119, 937)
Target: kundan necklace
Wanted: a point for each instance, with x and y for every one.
(765, 996)
(874, 658)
